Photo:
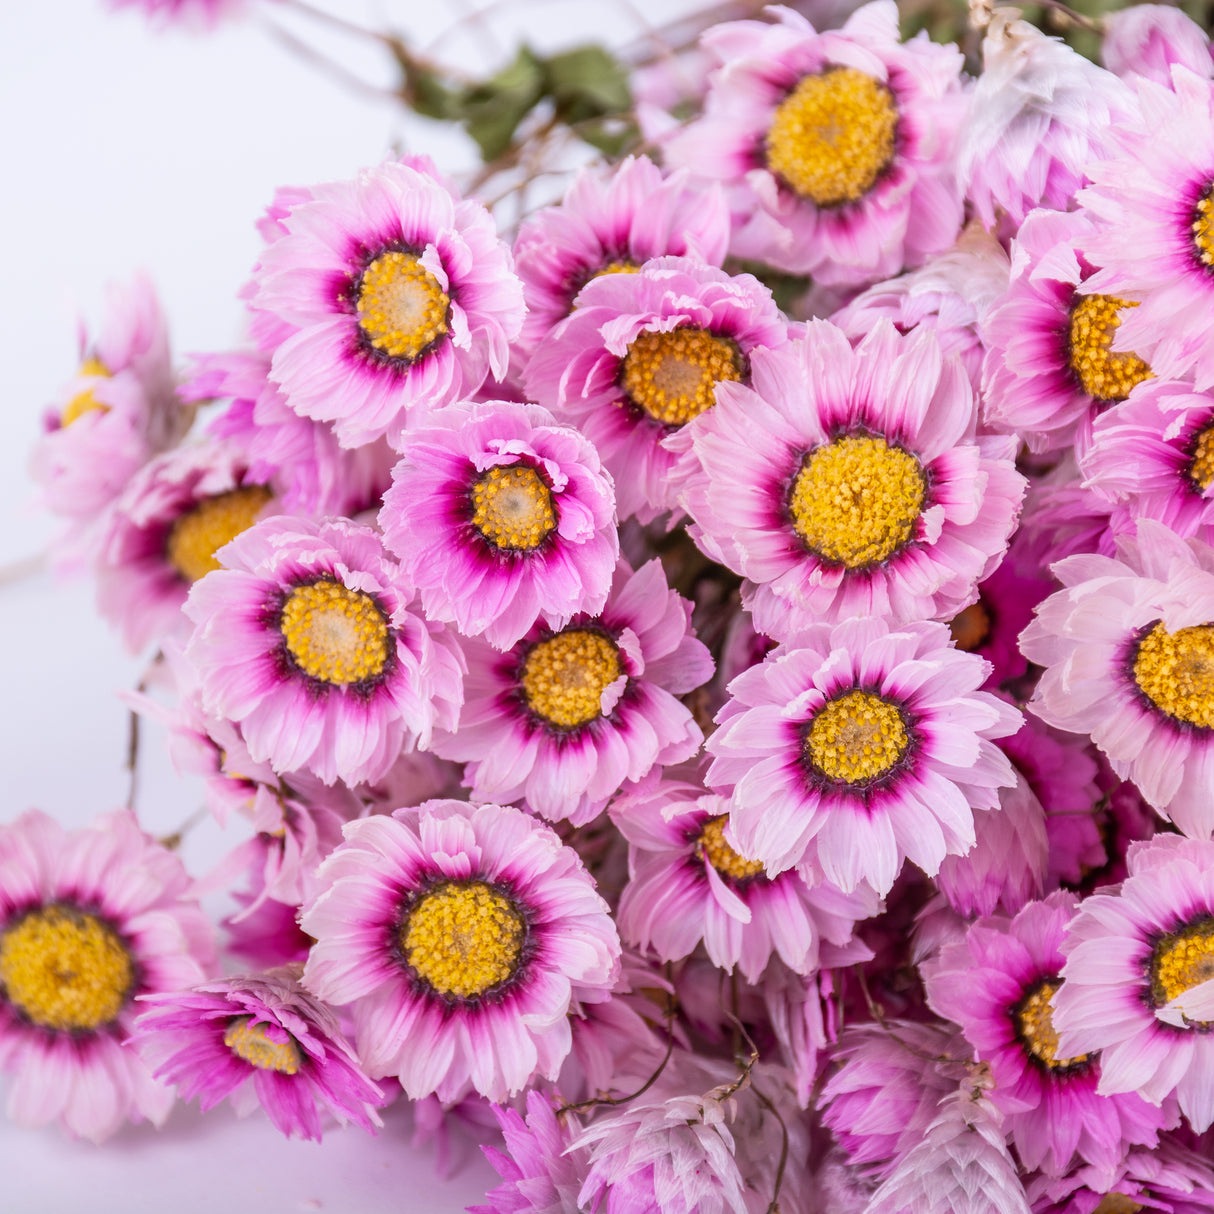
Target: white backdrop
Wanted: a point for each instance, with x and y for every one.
(122, 149)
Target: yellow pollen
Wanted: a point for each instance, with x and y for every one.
(249, 1041)
(617, 267)
(672, 376)
(1103, 373)
(1175, 671)
(1183, 960)
(512, 508)
(856, 500)
(713, 848)
(1201, 466)
(65, 969)
(335, 634)
(463, 938)
(85, 402)
(199, 533)
(833, 135)
(1035, 1024)
(971, 628)
(1118, 1203)
(856, 737)
(1203, 230)
(402, 310)
(564, 677)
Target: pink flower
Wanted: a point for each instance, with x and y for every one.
(502, 518)
(461, 935)
(89, 920)
(258, 1040)
(399, 295)
(843, 141)
(309, 642)
(856, 746)
(1146, 39)
(849, 482)
(641, 356)
(568, 715)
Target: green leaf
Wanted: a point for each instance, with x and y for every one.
(588, 83)
(611, 136)
(492, 110)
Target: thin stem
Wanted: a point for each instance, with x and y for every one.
(876, 1012)
(330, 67)
(618, 1100)
(173, 841)
(774, 1206)
(332, 19)
(22, 568)
(132, 753)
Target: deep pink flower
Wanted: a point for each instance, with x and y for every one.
(641, 356)
(308, 640)
(568, 715)
(461, 935)
(258, 1040)
(843, 141)
(856, 746)
(399, 294)
(502, 518)
(997, 985)
(611, 222)
(849, 482)
(89, 920)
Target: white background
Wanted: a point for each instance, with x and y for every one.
(122, 148)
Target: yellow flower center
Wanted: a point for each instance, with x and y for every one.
(199, 533)
(1103, 373)
(1175, 671)
(1035, 1025)
(856, 737)
(512, 508)
(1118, 1203)
(85, 402)
(1182, 960)
(672, 376)
(402, 310)
(833, 136)
(335, 634)
(463, 938)
(713, 847)
(249, 1041)
(971, 628)
(1203, 229)
(1201, 466)
(65, 969)
(565, 676)
(856, 501)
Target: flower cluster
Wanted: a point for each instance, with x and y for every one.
(760, 741)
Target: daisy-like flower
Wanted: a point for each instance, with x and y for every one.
(1154, 454)
(89, 920)
(849, 482)
(309, 470)
(1038, 114)
(641, 356)
(1138, 977)
(843, 141)
(461, 935)
(688, 884)
(997, 984)
(1167, 1180)
(162, 535)
(1146, 39)
(501, 518)
(855, 747)
(116, 413)
(308, 641)
(568, 715)
(399, 294)
(611, 223)
(1128, 647)
(1156, 245)
(1050, 364)
(258, 1040)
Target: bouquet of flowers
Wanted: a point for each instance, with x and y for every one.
(714, 671)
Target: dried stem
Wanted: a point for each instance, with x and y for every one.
(173, 841)
(774, 1206)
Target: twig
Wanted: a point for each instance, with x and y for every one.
(875, 1011)
(774, 1206)
(22, 568)
(327, 18)
(173, 841)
